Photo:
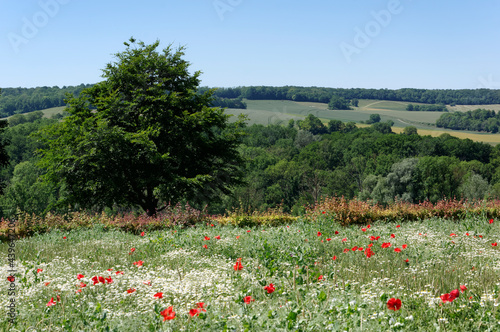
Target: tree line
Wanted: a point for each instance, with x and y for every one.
(426, 108)
(476, 120)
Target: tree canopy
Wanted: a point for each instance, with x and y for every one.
(142, 137)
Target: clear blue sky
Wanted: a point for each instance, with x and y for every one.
(391, 44)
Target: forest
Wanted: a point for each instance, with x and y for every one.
(297, 164)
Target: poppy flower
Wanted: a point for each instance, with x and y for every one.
(95, 280)
(38, 270)
(248, 299)
(386, 245)
(201, 306)
(320, 278)
(480, 236)
(58, 298)
(168, 313)
(158, 295)
(194, 312)
(323, 212)
(130, 290)
(142, 233)
(404, 246)
(147, 282)
(491, 221)
(131, 251)
(205, 246)
(398, 226)
(346, 250)
(109, 280)
(454, 294)
(11, 278)
(453, 234)
(445, 297)
(78, 291)
(370, 245)
(328, 239)
(319, 233)
(270, 288)
(467, 234)
(397, 250)
(110, 269)
(336, 232)
(118, 272)
(218, 237)
(206, 238)
(394, 304)
(374, 238)
(494, 244)
(393, 236)
(344, 239)
(64, 237)
(407, 260)
(82, 285)
(363, 229)
(138, 263)
(334, 257)
(79, 276)
(51, 302)
(369, 252)
(248, 231)
(354, 248)
(101, 279)
(238, 266)
(368, 226)
(237, 237)
(463, 288)
(212, 225)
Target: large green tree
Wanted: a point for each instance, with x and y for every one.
(143, 136)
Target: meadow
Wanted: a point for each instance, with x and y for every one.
(281, 111)
(302, 274)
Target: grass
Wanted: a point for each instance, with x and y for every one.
(313, 291)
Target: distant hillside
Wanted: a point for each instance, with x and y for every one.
(24, 100)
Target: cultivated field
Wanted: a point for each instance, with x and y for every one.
(307, 276)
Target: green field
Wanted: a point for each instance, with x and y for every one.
(281, 111)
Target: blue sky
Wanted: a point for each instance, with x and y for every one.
(350, 43)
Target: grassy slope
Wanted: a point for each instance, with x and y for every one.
(281, 111)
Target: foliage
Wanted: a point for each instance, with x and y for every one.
(142, 137)
(338, 103)
(426, 108)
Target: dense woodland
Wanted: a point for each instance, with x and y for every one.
(297, 164)
(476, 120)
(23, 100)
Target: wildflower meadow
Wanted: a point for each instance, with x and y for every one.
(303, 274)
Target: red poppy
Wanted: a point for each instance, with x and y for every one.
(369, 252)
(110, 270)
(109, 280)
(360, 248)
(64, 237)
(218, 237)
(494, 244)
(211, 225)
(142, 233)
(237, 237)
(38, 270)
(118, 272)
(78, 291)
(453, 234)
(393, 236)
(363, 229)
(11, 278)
(453, 295)
(101, 279)
(397, 250)
(207, 238)
(248, 231)
(394, 304)
(354, 248)
(344, 239)
(168, 313)
(248, 299)
(336, 232)
(320, 278)
(374, 238)
(79, 276)
(334, 257)
(404, 246)
(370, 245)
(269, 288)
(323, 212)
(201, 306)
(95, 280)
(328, 239)
(445, 297)
(82, 285)
(47, 283)
(398, 226)
(319, 233)
(51, 302)
(368, 226)
(480, 236)
(463, 288)
(138, 263)
(386, 245)
(194, 312)
(238, 266)
(58, 298)
(205, 246)
(158, 295)
(491, 221)
(131, 251)
(130, 290)
(407, 260)
(147, 282)
(346, 250)
(467, 234)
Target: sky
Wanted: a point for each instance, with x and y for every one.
(326, 43)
